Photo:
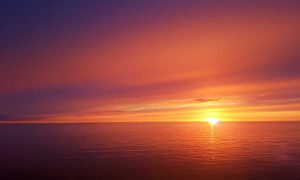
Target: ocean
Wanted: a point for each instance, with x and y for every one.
(152, 150)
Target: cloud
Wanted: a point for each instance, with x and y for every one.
(150, 60)
(8, 117)
(76, 97)
(201, 100)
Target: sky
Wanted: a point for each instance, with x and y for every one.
(141, 60)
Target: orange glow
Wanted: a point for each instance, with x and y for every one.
(243, 64)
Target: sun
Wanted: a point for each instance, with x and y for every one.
(212, 121)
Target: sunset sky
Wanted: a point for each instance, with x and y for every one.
(149, 60)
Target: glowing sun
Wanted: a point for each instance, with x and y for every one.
(212, 121)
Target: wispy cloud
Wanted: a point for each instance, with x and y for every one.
(173, 60)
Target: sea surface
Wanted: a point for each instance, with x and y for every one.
(192, 150)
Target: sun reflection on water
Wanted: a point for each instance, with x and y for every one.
(212, 134)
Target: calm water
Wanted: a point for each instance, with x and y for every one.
(150, 151)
